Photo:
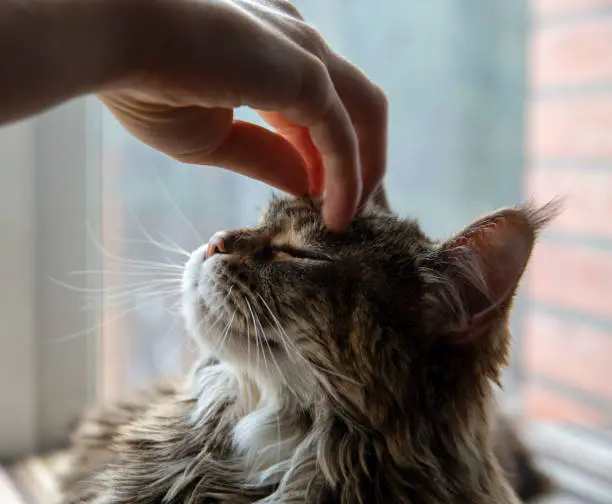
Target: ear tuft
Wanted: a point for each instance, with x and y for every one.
(540, 217)
(378, 202)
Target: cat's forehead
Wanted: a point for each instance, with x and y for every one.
(292, 221)
(299, 219)
(285, 210)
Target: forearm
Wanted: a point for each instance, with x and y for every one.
(54, 50)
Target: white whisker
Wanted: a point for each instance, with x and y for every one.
(227, 331)
(178, 210)
(161, 246)
(107, 290)
(105, 323)
(139, 264)
(174, 244)
(287, 340)
(117, 303)
(257, 338)
(275, 362)
(271, 352)
(123, 298)
(289, 346)
(123, 273)
(154, 241)
(219, 317)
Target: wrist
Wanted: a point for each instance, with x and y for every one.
(51, 51)
(88, 42)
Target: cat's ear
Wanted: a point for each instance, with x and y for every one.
(378, 202)
(477, 271)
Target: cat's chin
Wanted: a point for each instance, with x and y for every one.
(266, 362)
(219, 334)
(242, 349)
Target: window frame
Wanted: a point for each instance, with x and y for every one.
(53, 164)
(17, 344)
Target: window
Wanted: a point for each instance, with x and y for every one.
(458, 146)
(153, 209)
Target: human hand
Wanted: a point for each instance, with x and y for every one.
(191, 62)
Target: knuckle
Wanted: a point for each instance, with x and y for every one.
(317, 83)
(314, 41)
(288, 8)
(318, 70)
(379, 104)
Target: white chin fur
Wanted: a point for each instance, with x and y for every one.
(200, 295)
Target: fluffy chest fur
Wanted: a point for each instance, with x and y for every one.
(265, 427)
(218, 437)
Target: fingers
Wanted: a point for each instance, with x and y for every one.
(299, 136)
(319, 108)
(366, 105)
(260, 154)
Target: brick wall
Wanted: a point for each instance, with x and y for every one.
(567, 324)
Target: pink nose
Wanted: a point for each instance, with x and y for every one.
(216, 244)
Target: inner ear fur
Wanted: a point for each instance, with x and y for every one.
(479, 268)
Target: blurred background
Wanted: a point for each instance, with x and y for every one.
(492, 102)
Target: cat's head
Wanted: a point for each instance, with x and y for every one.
(376, 322)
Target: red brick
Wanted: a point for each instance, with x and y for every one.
(543, 405)
(572, 54)
(575, 354)
(547, 7)
(577, 127)
(588, 205)
(571, 277)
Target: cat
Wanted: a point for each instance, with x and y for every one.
(337, 367)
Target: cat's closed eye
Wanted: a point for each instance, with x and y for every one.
(299, 253)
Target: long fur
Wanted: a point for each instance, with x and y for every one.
(330, 372)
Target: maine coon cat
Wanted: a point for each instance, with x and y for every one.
(352, 367)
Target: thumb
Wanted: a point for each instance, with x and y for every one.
(197, 135)
(260, 154)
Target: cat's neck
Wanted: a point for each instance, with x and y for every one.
(267, 423)
(272, 434)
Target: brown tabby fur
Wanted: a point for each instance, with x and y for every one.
(361, 372)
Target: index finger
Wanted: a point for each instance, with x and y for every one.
(319, 108)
